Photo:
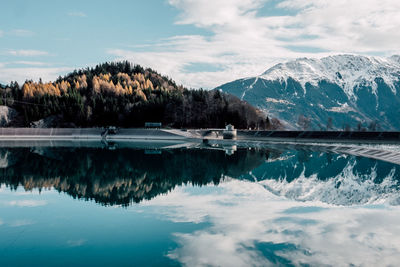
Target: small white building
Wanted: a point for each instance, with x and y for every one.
(230, 132)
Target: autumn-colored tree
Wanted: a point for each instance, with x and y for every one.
(122, 94)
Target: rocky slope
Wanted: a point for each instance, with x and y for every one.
(336, 92)
(7, 115)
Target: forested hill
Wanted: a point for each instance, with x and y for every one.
(125, 95)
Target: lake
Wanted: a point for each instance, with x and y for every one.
(172, 204)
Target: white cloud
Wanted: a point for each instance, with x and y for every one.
(1, 33)
(30, 63)
(27, 53)
(19, 223)
(357, 26)
(77, 14)
(20, 74)
(205, 13)
(27, 203)
(191, 50)
(22, 33)
(244, 42)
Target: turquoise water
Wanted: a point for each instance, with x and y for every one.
(154, 206)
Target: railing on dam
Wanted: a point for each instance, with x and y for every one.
(324, 135)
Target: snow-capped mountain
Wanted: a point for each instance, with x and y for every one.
(342, 89)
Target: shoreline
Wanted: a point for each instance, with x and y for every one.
(196, 135)
(374, 149)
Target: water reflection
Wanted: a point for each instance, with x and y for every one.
(119, 176)
(277, 205)
(124, 176)
(252, 227)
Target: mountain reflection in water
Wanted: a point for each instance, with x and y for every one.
(125, 176)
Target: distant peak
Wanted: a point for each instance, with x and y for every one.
(348, 71)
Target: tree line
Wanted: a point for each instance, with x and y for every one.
(126, 95)
(304, 123)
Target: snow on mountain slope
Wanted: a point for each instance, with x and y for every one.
(345, 90)
(348, 71)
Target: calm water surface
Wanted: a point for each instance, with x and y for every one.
(217, 206)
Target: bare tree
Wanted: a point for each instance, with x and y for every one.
(372, 126)
(304, 122)
(329, 124)
(359, 126)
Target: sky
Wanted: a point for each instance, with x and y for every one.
(198, 43)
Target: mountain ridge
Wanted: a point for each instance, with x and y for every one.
(349, 70)
(349, 89)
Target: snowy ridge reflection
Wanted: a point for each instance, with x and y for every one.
(328, 177)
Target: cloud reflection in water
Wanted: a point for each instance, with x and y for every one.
(258, 228)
